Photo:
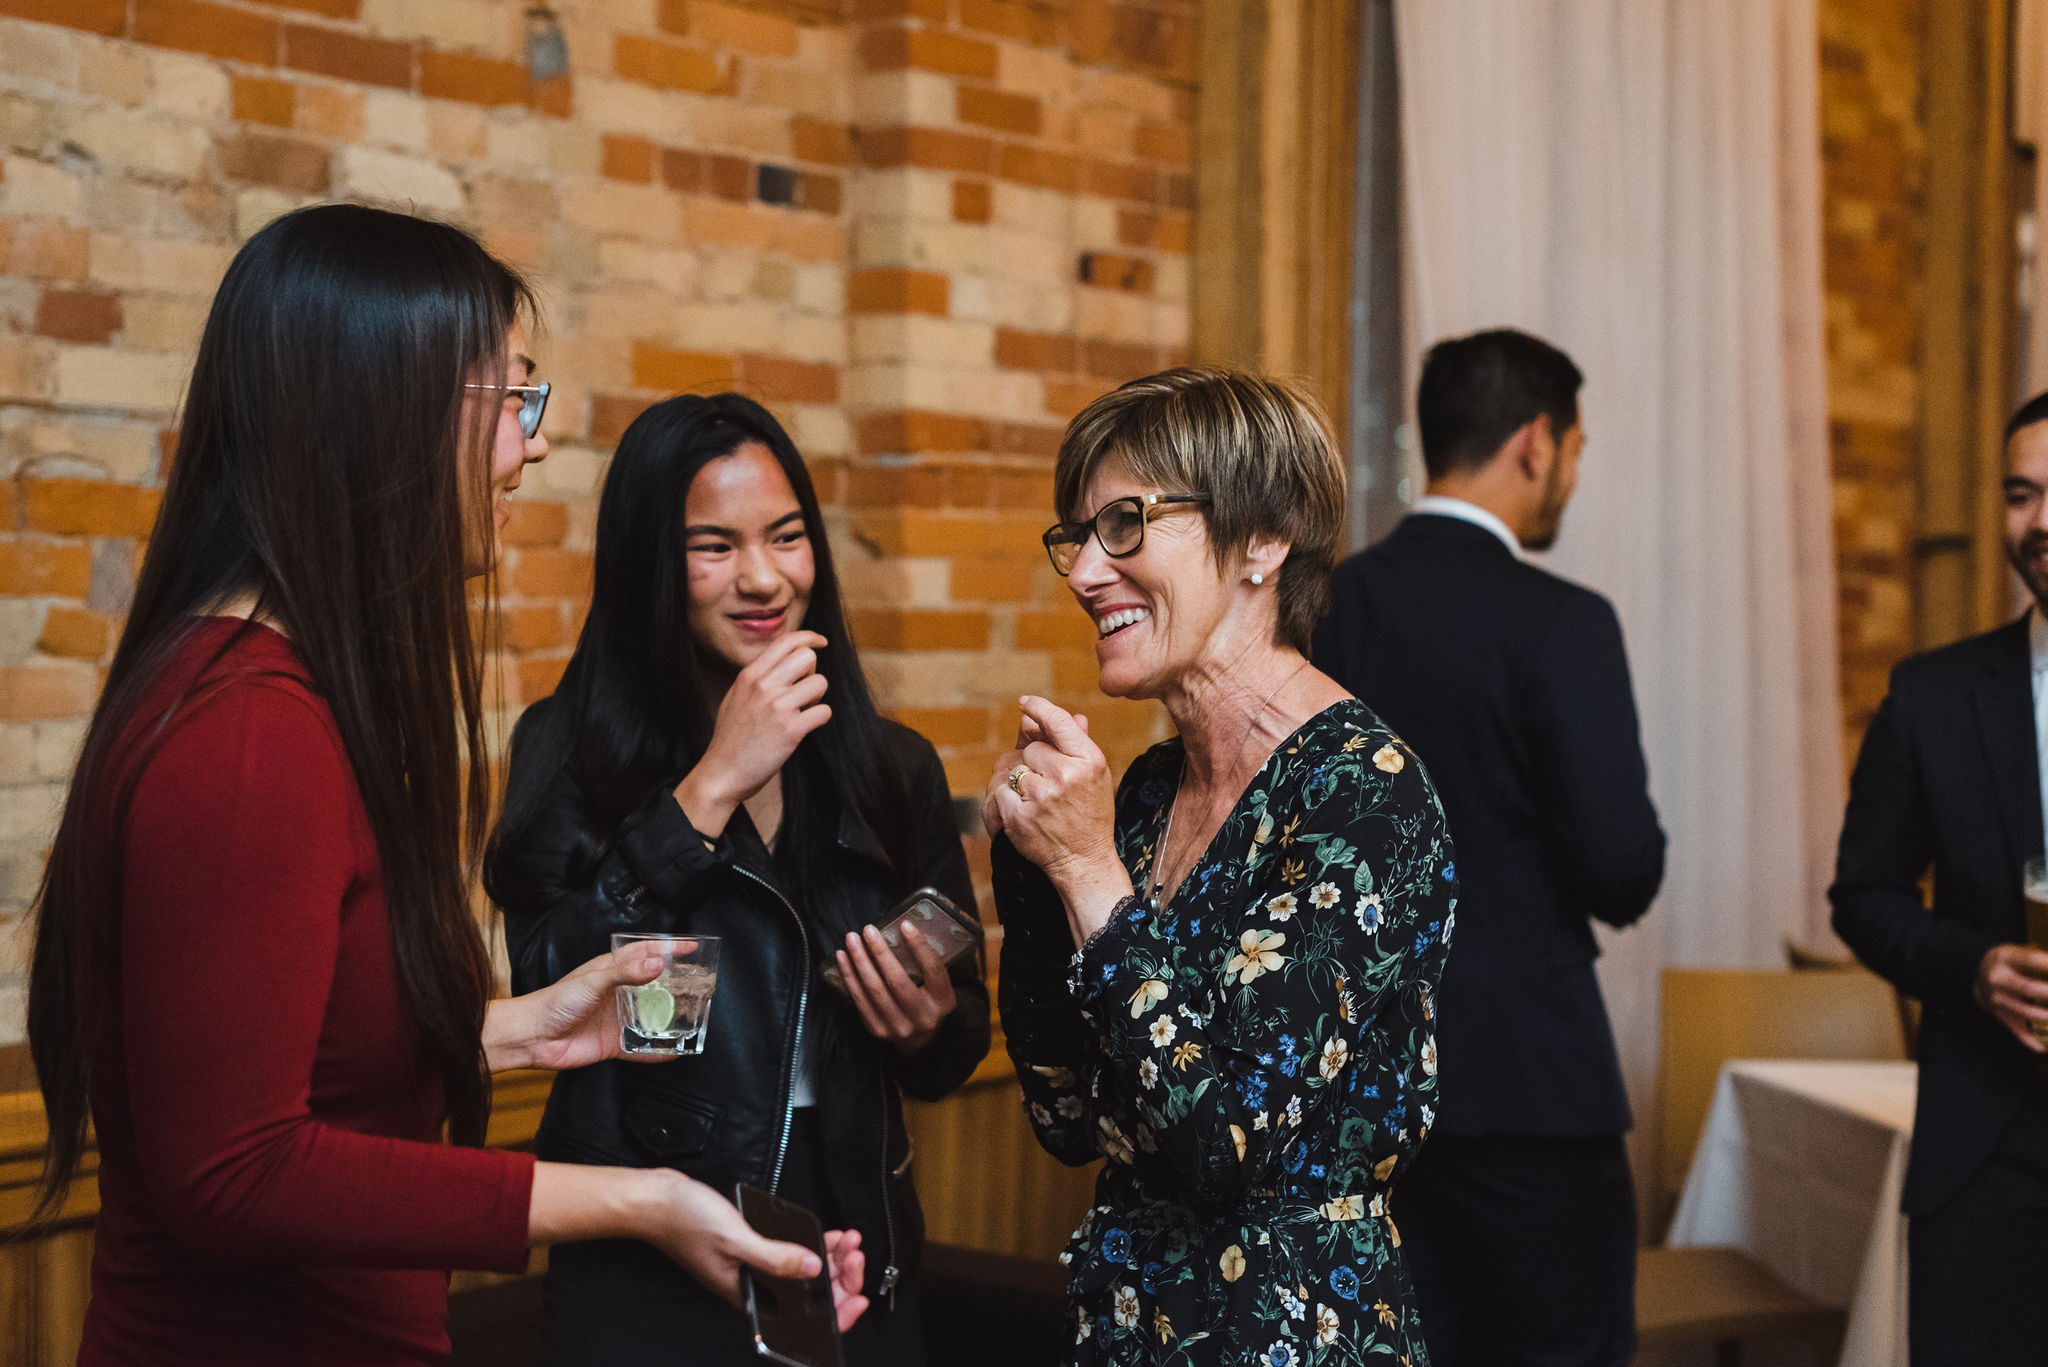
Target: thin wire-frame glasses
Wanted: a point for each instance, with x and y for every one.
(1118, 524)
(533, 401)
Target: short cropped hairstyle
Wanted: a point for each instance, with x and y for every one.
(1478, 391)
(1259, 447)
(2027, 414)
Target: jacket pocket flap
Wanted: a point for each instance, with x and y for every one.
(671, 1127)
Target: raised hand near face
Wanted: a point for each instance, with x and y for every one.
(772, 705)
(1054, 796)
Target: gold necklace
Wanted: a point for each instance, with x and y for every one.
(1159, 863)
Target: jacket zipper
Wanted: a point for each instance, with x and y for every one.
(803, 1011)
(891, 1273)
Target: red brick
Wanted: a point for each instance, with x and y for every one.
(930, 149)
(535, 627)
(554, 97)
(539, 677)
(913, 629)
(1022, 489)
(818, 140)
(1024, 439)
(981, 579)
(1000, 110)
(348, 56)
(672, 371)
(926, 49)
(628, 158)
(106, 17)
(10, 508)
(1113, 271)
(258, 99)
(216, 30)
(669, 66)
(1037, 166)
(549, 572)
(74, 632)
(775, 379)
(723, 26)
(87, 507)
(271, 159)
(536, 522)
(35, 568)
(894, 289)
(1161, 230)
(611, 415)
(944, 726)
(333, 9)
(47, 691)
(1056, 630)
(1016, 350)
(1066, 398)
(934, 10)
(682, 170)
(1025, 22)
(1119, 361)
(473, 80)
(972, 201)
(896, 486)
(1119, 180)
(818, 193)
(1169, 142)
(730, 178)
(78, 315)
(910, 431)
(1133, 36)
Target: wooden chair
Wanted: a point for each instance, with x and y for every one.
(1721, 1295)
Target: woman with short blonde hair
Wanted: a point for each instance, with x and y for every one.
(1219, 974)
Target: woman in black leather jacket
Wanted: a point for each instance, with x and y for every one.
(689, 774)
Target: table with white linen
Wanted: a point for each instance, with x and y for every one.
(1800, 1166)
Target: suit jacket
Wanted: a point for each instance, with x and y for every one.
(1512, 686)
(1948, 779)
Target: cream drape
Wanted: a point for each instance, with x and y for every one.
(1638, 181)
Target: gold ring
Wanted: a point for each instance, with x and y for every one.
(1017, 778)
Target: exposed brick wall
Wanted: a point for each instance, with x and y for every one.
(924, 232)
(1873, 166)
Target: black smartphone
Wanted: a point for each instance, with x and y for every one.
(793, 1320)
(951, 932)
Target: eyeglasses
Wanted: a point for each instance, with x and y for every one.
(533, 401)
(1118, 524)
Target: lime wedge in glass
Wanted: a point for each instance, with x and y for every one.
(653, 1008)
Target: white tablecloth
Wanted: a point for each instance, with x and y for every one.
(1800, 1166)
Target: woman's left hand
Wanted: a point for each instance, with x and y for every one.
(1061, 815)
(892, 1006)
(573, 1022)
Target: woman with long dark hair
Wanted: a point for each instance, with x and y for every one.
(690, 773)
(256, 969)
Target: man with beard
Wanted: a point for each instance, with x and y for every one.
(1950, 781)
(1512, 685)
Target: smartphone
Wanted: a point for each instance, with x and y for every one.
(951, 932)
(793, 1321)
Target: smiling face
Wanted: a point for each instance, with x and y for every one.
(749, 556)
(2026, 507)
(1154, 610)
(511, 449)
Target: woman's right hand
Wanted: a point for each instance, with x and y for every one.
(709, 1240)
(772, 705)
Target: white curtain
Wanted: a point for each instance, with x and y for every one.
(1638, 182)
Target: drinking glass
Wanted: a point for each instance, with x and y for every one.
(670, 1016)
(2034, 886)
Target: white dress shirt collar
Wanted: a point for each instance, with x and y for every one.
(1443, 506)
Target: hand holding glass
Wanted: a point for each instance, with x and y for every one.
(670, 1016)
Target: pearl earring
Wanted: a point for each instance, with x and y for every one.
(1258, 578)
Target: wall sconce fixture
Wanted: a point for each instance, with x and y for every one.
(547, 51)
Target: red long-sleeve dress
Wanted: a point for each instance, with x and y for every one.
(272, 1185)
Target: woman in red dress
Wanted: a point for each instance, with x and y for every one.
(256, 969)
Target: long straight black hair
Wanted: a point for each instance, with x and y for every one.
(635, 709)
(323, 463)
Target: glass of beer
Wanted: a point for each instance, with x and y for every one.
(2034, 887)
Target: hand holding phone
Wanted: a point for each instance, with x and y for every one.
(794, 1320)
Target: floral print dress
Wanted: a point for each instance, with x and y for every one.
(1257, 1061)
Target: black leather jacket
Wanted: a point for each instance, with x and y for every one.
(723, 1116)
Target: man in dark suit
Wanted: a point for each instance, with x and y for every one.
(1950, 779)
(1512, 685)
